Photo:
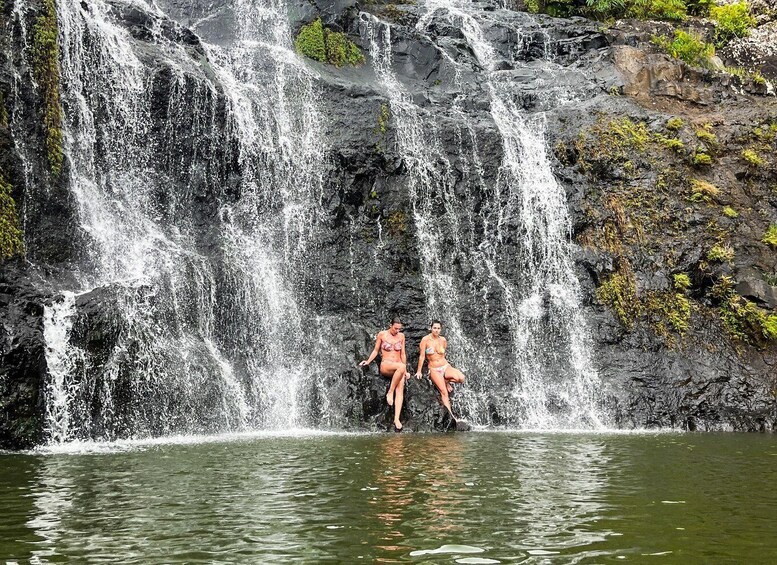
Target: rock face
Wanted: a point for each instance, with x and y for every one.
(369, 256)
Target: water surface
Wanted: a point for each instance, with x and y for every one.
(460, 498)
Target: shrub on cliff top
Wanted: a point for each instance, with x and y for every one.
(327, 46)
(674, 10)
(731, 20)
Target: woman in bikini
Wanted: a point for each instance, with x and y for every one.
(393, 364)
(433, 348)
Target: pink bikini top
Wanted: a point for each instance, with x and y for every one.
(397, 346)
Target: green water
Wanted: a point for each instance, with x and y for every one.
(470, 498)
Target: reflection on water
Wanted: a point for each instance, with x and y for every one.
(460, 498)
(560, 492)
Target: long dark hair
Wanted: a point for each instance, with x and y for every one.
(395, 320)
(435, 322)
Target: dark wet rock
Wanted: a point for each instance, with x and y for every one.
(22, 357)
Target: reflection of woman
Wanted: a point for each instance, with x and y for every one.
(393, 364)
(433, 348)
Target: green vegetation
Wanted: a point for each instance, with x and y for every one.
(666, 310)
(326, 46)
(674, 124)
(397, 223)
(747, 74)
(619, 292)
(383, 118)
(701, 159)
(753, 158)
(701, 190)
(729, 212)
(639, 207)
(682, 282)
(747, 322)
(674, 10)
(766, 133)
(688, 47)
(3, 112)
(770, 236)
(10, 235)
(677, 309)
(720, 253)
(731, 21)
(46, 71)
(670, 143)
(705, 134)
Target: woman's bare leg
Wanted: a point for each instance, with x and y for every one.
(399, 398)
(453, 376)
(439, 382)
(392, 369)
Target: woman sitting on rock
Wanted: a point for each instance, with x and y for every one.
(393, 364)
(433, 348)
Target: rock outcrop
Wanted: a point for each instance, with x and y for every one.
(668, 354)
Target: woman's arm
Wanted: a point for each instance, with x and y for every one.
(421, 358)
(375, 350)
(403, 355)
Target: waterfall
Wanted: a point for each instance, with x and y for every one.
(551, 382)
(198, 170)
(61, 359)
(201, 311)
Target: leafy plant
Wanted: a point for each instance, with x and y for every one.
(721, 253)
(731, 20)
(688, 47)
(674, 10)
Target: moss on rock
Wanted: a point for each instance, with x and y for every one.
(46, 72)
(326, 46)
(10, 234)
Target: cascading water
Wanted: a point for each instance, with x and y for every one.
(198, 336)
(553, 382)
(198, 172)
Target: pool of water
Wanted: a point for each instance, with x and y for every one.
(480, 497)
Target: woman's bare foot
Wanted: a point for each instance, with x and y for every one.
(449, 386)
(398, 425)
(390, 398)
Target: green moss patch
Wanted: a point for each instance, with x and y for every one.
(770, 237)
(747, 322)
(10, 235)
(46, 71)
(326, 46)
(619, 293)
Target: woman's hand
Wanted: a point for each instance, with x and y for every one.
(363, 363)
(418, 375)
